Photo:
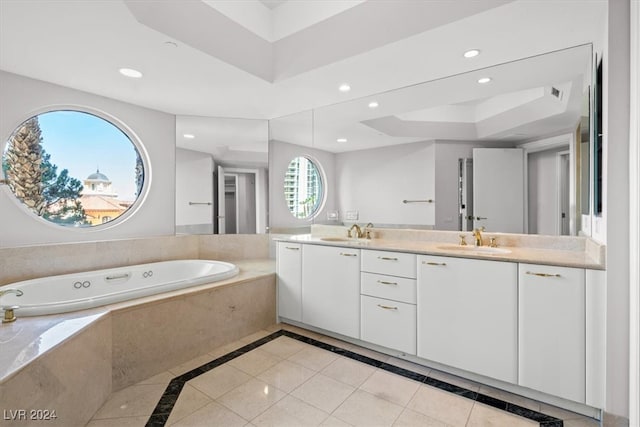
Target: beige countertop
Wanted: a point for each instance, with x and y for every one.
(566, 253)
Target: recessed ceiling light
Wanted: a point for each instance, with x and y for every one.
(344, 87)
(373, 104)
(189, 136)
(471, 53)
(484, 80)
(130, 72)
(341, 140)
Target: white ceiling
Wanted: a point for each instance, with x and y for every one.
(372, 45)
(272, 4)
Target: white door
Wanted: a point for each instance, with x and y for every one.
(222, 226)
(289, 276)
(331, 289)
(498, 189)
(468, 314)
(551, 330)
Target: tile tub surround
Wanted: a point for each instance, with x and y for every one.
(150, 323)
(73, 379)
(152, 338)
(30, 262)
(566, 251)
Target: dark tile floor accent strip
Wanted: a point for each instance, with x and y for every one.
(170, 396)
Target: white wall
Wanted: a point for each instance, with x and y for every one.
(613, 227)
(280, 155)
(23, 98)
(634, 196)
(374, 182)
(194, 183)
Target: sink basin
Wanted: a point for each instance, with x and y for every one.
(335, 239)
(475, 249)
(348, 240)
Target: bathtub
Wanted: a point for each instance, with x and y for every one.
(78, 291)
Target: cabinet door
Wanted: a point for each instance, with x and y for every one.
(467, 314)
(552, 330)
(331, 289)
(389, 323)
(289, 273)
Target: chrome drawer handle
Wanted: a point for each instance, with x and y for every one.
(434, 263)
(386, 258)
(346, 254)
(382, 282)
(542, 274)
(293, 249)
(387, 307)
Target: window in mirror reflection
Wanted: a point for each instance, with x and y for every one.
(303, 190)
(73, 168)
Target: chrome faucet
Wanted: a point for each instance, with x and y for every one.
(477, 235)
(358, 231)
(18, 292)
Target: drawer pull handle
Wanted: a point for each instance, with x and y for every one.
(434, 263)
(382, 282)
(293, 249)
(347, 254)
(386, 258)
(542, 274)
(387, 307)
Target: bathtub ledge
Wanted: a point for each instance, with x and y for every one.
(29, 338)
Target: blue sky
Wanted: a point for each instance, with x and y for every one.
(82, 143)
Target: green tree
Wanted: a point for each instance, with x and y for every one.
(61, 194)
(22, 165)
(35, 180)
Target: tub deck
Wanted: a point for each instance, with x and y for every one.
(29, 338)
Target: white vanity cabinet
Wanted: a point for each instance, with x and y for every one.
(388, 300)
(331, 289)
(289, 274)
(552, 331)
(468, 314)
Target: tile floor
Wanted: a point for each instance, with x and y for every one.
(286, 382)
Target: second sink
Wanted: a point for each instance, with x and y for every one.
(475, 249)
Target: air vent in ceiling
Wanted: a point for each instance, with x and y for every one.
(556, 92)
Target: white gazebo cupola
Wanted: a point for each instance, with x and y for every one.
(98, 184)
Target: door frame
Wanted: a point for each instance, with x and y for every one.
(564, 140)
(560, 186)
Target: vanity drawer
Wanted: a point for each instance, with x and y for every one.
(388, 323)
(389, 287)
(389, 263)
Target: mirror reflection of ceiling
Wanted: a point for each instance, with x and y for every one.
(214, 58)
(525, 100)
(237, 142)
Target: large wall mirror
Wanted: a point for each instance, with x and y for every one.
(221, 175)
(505, 147)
